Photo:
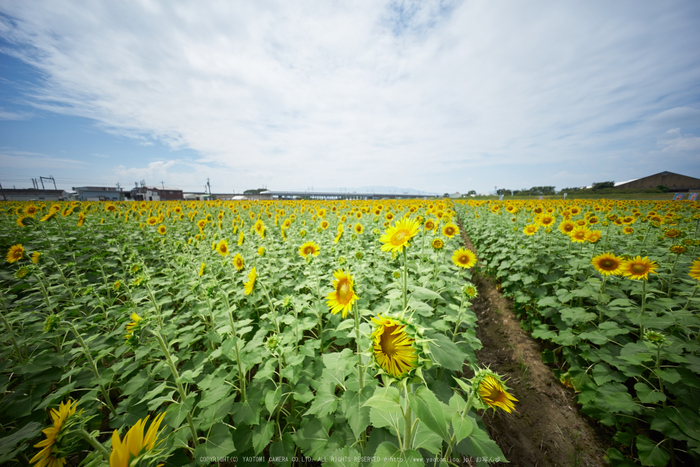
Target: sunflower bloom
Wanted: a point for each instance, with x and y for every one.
(607, 264)
(639, 268)
(15, 253)
(222, 247)
(695, 270)
(342, 298)
(130, 326)
(248, 286)
(161, 229)
(35, 257)
(309, 248)
(397, 236)
(201, 269)
(464, 258)
(566, 227)
(238, 261)
(437, 244)
(450, 230)
(134, 444)
(530, 229)
(579, 234)
(393, 348)
(493, 393)
(47, 457)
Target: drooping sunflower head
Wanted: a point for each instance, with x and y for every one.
(248, 286)
(607, 264)
(131, 327)
(397, 237)
(309, 248)
(222, 247)
(464, 258)
(678, 249)
(491, 391)
(393, 347)
(135, 445)
(15, 253)
(639, 268)
(56, 447)
(343, 297)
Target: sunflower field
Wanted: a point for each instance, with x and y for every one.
(293, 333)
(611, 288)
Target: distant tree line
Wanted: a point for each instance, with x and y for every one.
(254, 191)
(597, 188)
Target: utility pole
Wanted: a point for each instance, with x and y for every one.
(208, 186)
(162, 184)
(3, 193)
(119, 189)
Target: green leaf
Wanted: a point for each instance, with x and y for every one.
(177, 412)
(548, 301)
(355, 411)
(8, 444)
(385, 399)
(648, 395)
(262, 434)
(381, 419)
(324, 403)
(311, 438)
(426, 439)
(462, 427)
(445, 352)
(429, 410)
(650, 453)
(622, 402)
(421, 293)
(219, 443)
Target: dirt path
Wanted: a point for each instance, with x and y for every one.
(547, 429)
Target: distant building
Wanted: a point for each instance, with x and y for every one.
(98, 193)
(32, 194)
(150, 193)
(674, 182)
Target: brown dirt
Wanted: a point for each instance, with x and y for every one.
(546, 429)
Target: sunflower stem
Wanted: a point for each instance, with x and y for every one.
(405, 280)
(407, 420)
(93, 442)
(360, 369)
(93, 367)
(12, 335)
(644, 302)
(670, 280)
(155, 304)
(241, 375)
(695, 290)
(180, 387)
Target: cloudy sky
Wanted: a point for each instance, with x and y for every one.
(439, 96)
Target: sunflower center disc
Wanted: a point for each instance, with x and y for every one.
(607, 264)
(344, 291)
(398, 237)
(638, 268)
(387, 341)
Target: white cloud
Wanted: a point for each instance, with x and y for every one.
(14, 115)
(417, 94)
(25, 160)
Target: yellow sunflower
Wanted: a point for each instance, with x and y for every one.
(238, 261)
(248, 286)
(437, 243)
(530, 229)
(359, 229)
(47, 457)
(593, 236)
(130, 326)
(607, 264)
(450, 230)
(639, 268)
(342, 298)
(579, 234)
(464, 258)
(152, 220)
(201, 269)
(492, 391)
(429, 224)
(134, 444)
(566, 227)
(397, 236)
(161, 229)
(15, 253)
(35, 257)
(222, 247)
(695, 270)
(309, 248)
(241, 239)
(627, 230)
(393, 348)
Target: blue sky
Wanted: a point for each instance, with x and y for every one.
(438, 96)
